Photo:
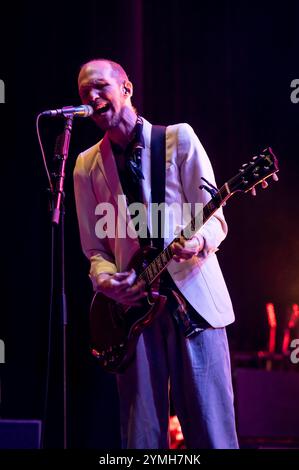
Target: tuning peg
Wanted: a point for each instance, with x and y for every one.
(244, 165)
(275, 177)
(253, 191)
(264, 184)
(254, 158)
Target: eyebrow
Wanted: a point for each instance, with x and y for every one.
(94, 82)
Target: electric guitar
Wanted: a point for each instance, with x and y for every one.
(114, 328)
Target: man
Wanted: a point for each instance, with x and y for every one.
(196, 365)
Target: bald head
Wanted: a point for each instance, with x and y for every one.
(116, 70)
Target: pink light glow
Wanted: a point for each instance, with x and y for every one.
(272, 325)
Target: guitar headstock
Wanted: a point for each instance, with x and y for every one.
(257, 171)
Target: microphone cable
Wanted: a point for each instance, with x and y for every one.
(43, 153)
(51, 294)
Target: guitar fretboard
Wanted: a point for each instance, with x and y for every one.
(157, 266)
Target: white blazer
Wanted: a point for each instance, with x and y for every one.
(96, 181)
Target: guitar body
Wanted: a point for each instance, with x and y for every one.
(115, 329)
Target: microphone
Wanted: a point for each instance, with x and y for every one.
(84, 110)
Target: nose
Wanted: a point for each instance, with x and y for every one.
(92, 96)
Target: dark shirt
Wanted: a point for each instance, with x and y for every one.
(131, 187)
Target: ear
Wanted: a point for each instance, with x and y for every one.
(127, 88)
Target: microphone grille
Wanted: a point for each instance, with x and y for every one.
(88, 110)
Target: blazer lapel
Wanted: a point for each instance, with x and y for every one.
(108, 167)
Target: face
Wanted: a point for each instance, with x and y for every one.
(108, 97)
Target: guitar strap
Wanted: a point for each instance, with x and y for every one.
(189, 321)
(158, 175)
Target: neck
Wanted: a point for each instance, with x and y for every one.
(122, 134)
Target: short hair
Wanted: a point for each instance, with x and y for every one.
(117, 70)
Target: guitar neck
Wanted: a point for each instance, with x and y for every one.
(157, 266)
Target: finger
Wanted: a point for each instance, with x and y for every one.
(178, 230)
(193, 244)
(183, 256)
(183, 252)
(176, 247)
(139, 286)
(119, 285)
(177, 259)
(121, 276)
(119, 280)
(131, 277)
(137, 290)
(126, 282)
(180, 242)
(128, 275)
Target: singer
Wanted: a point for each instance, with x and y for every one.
(183, 350)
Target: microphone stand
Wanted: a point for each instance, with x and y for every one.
(62, 149)
(58, 210)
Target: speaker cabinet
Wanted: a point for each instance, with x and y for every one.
(20, 434)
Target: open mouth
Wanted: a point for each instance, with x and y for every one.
(102, 108)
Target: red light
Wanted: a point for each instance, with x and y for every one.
(272, 325)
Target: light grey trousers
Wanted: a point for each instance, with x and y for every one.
(197, 371)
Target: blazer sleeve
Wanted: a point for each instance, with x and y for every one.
(194, 163)
(97, 250)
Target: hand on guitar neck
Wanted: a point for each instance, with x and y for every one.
(184, 249)
(121, 288)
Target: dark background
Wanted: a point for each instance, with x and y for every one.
(223, 67)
